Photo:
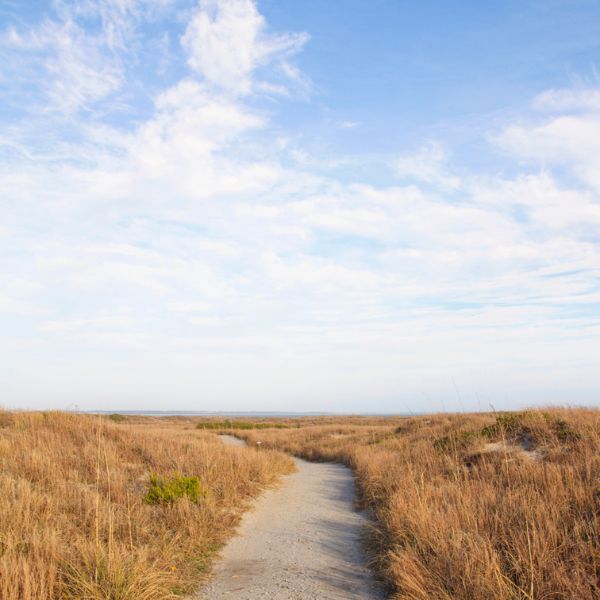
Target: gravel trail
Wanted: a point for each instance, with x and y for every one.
(301, 541)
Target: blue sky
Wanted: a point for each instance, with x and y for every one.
(360, 207)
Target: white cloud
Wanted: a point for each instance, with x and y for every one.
(189, 307)
(429, 165)
(227, 40)
(563, 139)
(568, 100)
(85, 325)
(546, 205)
(569, 139)
(70, 66)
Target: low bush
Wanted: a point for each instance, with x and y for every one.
(506, 424)
(540, 428)
(457, 440)
(165, 490)
(117, 418)
(565, 432)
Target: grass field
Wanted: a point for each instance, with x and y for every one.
(477, 506)
(117, 508)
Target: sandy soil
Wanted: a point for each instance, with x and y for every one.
(300, 542)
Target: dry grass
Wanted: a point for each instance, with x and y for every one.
(74, 522)
(479, 506)
(476, 506)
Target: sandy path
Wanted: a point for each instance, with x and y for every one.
(300, 542)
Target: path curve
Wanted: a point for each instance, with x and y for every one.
(300, 542)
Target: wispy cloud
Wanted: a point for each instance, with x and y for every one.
(429, 165)
(227, 41)
(69, 66)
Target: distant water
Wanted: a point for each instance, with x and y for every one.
(197, 413)
(258, 413)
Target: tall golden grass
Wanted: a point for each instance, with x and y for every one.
(74, 522)
(482, 506)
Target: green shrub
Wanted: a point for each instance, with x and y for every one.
(406, 428)
(564, 432)
(166, 490)
(539, 428)
(117, 418)
(506, 423)
(457, 440)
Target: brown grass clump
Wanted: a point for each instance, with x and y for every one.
(483, 506)
(80, 516)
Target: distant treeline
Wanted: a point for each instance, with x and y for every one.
(228, 424)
